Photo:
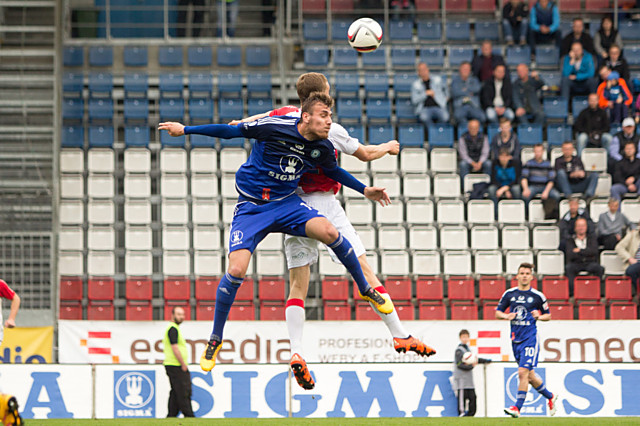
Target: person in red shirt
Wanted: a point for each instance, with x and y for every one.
(7, 293)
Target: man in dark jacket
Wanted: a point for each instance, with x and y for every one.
(626, 176)
(514, 21)
(592, 126)
(578, 34)
(623, 137)
(473, 151)
(582, 253)
(496, 96)
(484, 64)
(571, 177)
(567, 223)
(525, 96)
(617, 63)
(463, 377)
(505, 178)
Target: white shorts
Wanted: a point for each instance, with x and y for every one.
(301, 251)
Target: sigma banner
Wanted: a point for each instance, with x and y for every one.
(266, 342)
(27, 345)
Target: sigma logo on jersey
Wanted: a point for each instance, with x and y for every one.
(535, 404)
(521, 315)
(236, 238)
(291, 167)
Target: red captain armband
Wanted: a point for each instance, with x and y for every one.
(265, 194)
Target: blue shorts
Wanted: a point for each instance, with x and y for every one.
(252, 221)
(526, 352)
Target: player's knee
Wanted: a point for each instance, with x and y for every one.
(331, 232)
(237, 271)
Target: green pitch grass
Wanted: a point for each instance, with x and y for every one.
(600, 421)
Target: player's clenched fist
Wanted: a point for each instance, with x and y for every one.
(174, 128)
(377, 194)
(394, 147)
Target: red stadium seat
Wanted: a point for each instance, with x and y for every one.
(364, 311)
(139, 288)
(432, 311)
(313, 6)
(586, 288)
(206, 288)
(591, 311)
(483, 5)
(534, 283)
(489, 310)
(429, 288)
(460, 288)
(561, 311)
(455, 5)
(617, 288)
(177, 288)
(556, 288)
(623, 311)
(70, 288)
(70, 311)
(491, 288)
(427, 5)
(272, 311)
(100, 311)
(597, 4)
(342, 6)
(205, 310)
(100, 288)
(139, 311)
(168, 307)
(570, 6)
(399, 288)
(242, 311)
(464, 311)
(405, 310)
(337, 311)
(246, 290)
(271, 288)
(335, 289)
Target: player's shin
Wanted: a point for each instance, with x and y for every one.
(343, 249)
(522, 395)
(225, 296)
(542, 390)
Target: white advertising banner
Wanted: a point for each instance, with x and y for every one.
(266, 342)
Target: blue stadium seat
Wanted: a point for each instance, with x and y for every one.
(100, 56)
(530, 134)
(429, 31)
(405, 110)
(73, 56)
(201, 141)
(230, 109)
(316, 56)
(100, 109)
(259, 106)
(632, 54)
(346, 83)
(258, 56)
(615, 128)
(170, 82)
(136, 136)
(401, 30)
(136, 83)
(411, 135)
(378, 109)
(345, 57)
(135, 56)
(349, 109)
(629, 30)
(402, 83)
(100, 137)
(100, 82)
(136, 109)
(557, 134)
(170, 56)
(375, 59)
(432, 56)
(171, 141)
(518, 55)
(492, 130)
(458, 30)
(403, 57)
(171, 109)
(201, 83)
(459, 54)
(229, 56)
(314, 30)
(339, 29)
(380, 134)
(556, 108)
(72, 82)
(199, 56)
(441, 135)
(547, 56)
(258, 82)
(551, 79)
(376, 82)
(578, 103)
(486, 30)
(230, 82)
(201, 109)
(232, 143)
(72, 137)
(356, 131)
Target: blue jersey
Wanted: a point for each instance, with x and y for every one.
(522, 302)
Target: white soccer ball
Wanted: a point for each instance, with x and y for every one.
(365, 35)
(469, 358)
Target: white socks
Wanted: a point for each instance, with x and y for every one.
(295, 316)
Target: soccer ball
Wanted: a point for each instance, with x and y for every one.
(469, 358)
(365, 35)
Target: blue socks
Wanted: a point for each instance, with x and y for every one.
(225, 296)
(542, 389)
(343, 249)
(521, 397)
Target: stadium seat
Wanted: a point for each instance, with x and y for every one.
(419, 211)
(517, 55)
(100, 109)
(242, 311)
(272, 311)
(484, 238)
(403, 57)
(416, 186)
(177, 288)
(394, 262)
(428, 30)
(70, 288)
(450, 211)
(207, 263)
(335, 288)
(486, 30)
(402, 83)
(594, 159)
(72, 137)
(135, 56)
(316, 56)
(489, 310)
(139, 311)
(514, 258)
(530, 134)
(378, 109)
(491, 288)
(458, 30)
(400, 30)
(406, 112)
(556, 288)
(631, 209)
(100, 311)
(392, 237)
(230, 83)
(433, 311)
(488, 262)
(550, 262)
(411, 135)
(339, 29)
(199, 56)
(377, 83)
(170, 83)
(618, 288)
(170, 56)
(73, 56)
(423, 237)
(230, 109)
(258, 84)
(314, 30)
(413, 160)
(136, 212)
(200, 109)
(427, 5)
(459, 54)
(337, 311)
(375, 59)
(440, 135)
(390, 214)
(258, 56)
(349, 109)
(457, 262)
(561, 310)
(629, 30)
(171, 109)
(426, 262)
(201, 83)
(511, 211)
(72, 83)
(429, 288)
(591, 311)
(434, 56)
(100, 56)
(453, 238)
(136, 109)
(399, 288)
(259, 106)
(623, 311)
(460, 288)
(364, 312)
(205, 311)
(586, 288)
(174, 212)
(467, 311)
(547, 56)
(578, 103)
(229, 56)
(546, 237)
(556, 108)
(346, 83)
(70, 310)
(271, 288)
(405, 310)
(136, 84)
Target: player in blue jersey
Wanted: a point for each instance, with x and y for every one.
(526, 306)
(285, 148)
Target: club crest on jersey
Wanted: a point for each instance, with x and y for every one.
(529, 299)
(315, 153)
(236, 238)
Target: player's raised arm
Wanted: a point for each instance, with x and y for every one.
(344, 177)
(373, 152)
(223, 131)
(250, 119)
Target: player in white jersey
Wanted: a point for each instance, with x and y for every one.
(318, 191)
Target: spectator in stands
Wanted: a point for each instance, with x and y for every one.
(525, 96)
(514, 21)
(567, 222)
(232, 8)
(606, 37)
(505, 178)
(429, 96)
(637, 112)
(592, 126)
(624, 136)
(507, 139)
(496, 96)
(626, 175)
(612, 225)
(615, 97)
(473, 150)
(615, 62)
(197, 17)
(578, 71)
(465, 89)
(538, 177)
(544, 24)
(577, 35)
(582, 253)
(571, 176)
(483, 65)
(401, 8)
(629, 251)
